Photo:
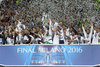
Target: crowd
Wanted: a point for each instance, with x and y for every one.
(20, 26)
(50, 32)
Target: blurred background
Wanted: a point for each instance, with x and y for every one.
(75, 11)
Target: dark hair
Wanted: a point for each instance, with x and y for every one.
(96, 66)
(1, 66)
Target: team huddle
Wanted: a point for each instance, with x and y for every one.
(50, 32)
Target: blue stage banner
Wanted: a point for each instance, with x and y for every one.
(50, 55)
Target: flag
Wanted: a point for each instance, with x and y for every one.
(17, 1)
(96, 5)
(85, 26)
(98, 0)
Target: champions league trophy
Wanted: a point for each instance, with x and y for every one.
(45, 18)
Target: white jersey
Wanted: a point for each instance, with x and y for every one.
(56, 39)
(81, 41)
(75, 40)
(33, 40)
(20, 26)
(10, 41)
(19, 38)
(61, 34)
(88, 36)
(65, 40)
(67, 32)
(25, 38)
(95, 38)
(54, 25)
(0, 40)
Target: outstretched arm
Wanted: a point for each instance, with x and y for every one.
(91, 30)
(85, 34)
